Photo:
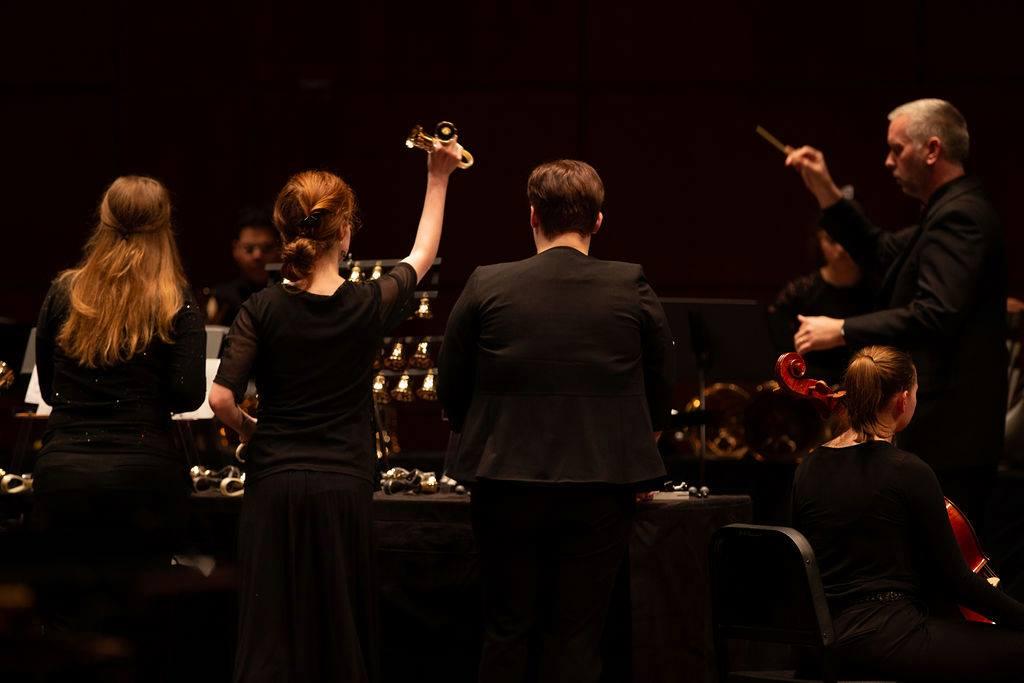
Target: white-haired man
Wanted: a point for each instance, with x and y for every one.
(943, 293)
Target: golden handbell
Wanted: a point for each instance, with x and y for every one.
(380, 389)
(356, 274)
(7, 376)
(396, 359)
(378, 270)
(444, 133)
(428, 483)
(233, 485)
(403, 390)
(424, 312)
(13, 483)
(428, 390)
(421, 359)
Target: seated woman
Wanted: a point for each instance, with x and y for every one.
(120, 346)
(876, 519)
(307, 606)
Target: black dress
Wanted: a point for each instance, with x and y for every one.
(876, 519)
(108, 479)
(307, 608)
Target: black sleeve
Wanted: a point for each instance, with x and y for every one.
(456, 362)
(658, 356)
(51, 317)
(238, 357)
(935, 535)
(952, 255)
(396, 291)
(185, 381)
(873, 248)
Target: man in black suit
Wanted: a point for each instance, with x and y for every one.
(943, 294)
(557, 372)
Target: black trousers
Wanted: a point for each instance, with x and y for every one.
(902, 641)
(549, 558)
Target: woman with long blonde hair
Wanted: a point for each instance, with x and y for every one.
(307, 607)
(120, 346)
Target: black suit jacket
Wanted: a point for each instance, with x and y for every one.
(943, 299)
(557, 369)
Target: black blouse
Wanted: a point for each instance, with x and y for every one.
(312, 358)
(876, 519)
(124, 409)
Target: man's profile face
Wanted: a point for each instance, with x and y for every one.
(906, 159)
(253, 250)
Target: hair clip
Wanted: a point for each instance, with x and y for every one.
(312, 220)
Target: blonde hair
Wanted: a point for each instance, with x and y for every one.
(129, 285)
(310, 212)
(875, 374)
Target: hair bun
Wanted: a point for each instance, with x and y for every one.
(298, 258)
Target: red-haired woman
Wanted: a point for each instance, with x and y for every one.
(120, 346)
(307, 595)
(877, 521)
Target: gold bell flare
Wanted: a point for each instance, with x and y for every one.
(7, 376)
(403, 390)
(424, 312)
(380, 389)
(444, 132)
(396, 359)
(356, 274)
(428, 390)
(421, 358)
(378, 270)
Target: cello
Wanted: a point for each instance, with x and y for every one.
(790, 370)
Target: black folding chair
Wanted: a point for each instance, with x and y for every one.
(765, 587)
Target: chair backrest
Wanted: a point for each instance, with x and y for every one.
(766, 587)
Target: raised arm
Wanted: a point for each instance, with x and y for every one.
(870, 246)
(440, 164)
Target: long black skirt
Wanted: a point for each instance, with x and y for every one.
(308, 600)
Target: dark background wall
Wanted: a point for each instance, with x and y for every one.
(223, 101)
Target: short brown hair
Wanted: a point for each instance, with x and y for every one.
(320, 195)
(875, 374)
(566, 196)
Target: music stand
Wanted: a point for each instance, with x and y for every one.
(725, 339)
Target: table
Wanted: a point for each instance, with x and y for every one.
(659, 624)
(428, 575)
